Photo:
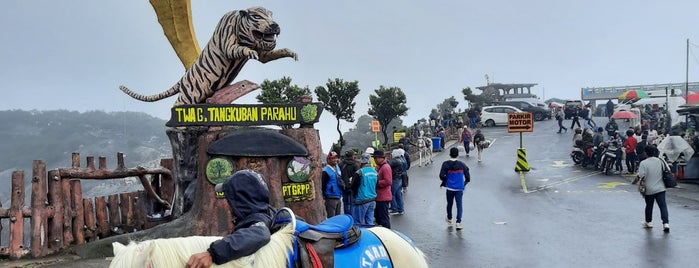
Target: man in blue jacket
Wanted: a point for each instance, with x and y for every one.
(454, 175)
(248, 197)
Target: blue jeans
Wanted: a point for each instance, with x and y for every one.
(466, 146)
(660, 198)
(396, 191)
(363, 214)
(458, 196)
(347, 202)
(472, 122)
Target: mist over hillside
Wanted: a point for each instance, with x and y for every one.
(53, 136)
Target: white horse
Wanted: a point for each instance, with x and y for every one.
(424, 146)
(175, 252)
(377, 247)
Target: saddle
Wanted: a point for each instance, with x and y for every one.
(315, 244)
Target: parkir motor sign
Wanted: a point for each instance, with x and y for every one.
(520, 122)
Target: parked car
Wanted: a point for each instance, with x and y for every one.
(570, 107)
(539, 113)
(496, 115)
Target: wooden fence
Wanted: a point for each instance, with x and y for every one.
(59, 216)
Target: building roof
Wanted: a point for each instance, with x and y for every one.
(506, 86)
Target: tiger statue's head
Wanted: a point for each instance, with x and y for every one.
(256, 29)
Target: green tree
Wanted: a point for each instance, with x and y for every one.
(281, 91)
(447, 105)
(360, 136)
(386, 105)
(338, 99)
(476, 100)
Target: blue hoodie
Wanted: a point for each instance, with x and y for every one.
(248, 196)
(454, 175)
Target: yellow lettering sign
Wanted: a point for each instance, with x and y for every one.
(298, 191)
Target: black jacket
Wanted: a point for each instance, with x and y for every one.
(248, 196)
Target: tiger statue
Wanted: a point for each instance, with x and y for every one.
(240, 36)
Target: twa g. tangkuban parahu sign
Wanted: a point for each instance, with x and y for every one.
(245, 114)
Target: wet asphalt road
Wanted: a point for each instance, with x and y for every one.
(566, 217)
(556, 215)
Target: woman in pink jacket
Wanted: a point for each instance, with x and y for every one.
(383, 190)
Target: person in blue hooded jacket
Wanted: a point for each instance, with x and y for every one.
(454, 175)
(248, 197)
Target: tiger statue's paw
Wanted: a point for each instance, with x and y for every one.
(285, 52)
(251, 55)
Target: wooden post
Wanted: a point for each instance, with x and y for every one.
(76, 160)
(39, 246)
(68, 209)
(79, 219)
(101, 214)
(90, 163)
(114, 216)
(127, 211)
(167, 183)
(90, 225)
(16, 217)
(102, 163)
(55, 222)
(120, 161)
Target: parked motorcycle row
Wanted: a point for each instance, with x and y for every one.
(602, 158)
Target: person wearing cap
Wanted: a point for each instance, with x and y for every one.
(348, 166)
(370, 150)
(398, 166)
(248, 197)
(454, 175)
(364, 192)
(406, 157)
(332, 186)
(383, 190)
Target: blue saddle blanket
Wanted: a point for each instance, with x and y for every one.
(336, 224)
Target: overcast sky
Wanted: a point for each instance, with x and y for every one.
(74, 54)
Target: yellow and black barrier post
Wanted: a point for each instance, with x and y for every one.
(522, 164)
(520, 122)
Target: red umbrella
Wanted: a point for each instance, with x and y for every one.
(692, 97)
(624, 115)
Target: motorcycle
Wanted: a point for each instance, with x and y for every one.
(577, 155)
(608, 159)
(581, 157)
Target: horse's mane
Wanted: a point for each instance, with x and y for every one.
(174, 252)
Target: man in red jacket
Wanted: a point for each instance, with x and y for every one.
(383, 190)
(630, 148)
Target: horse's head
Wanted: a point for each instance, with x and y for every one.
(131, 255)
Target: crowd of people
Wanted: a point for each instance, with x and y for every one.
(635, 146)
(626, 144)
(369, 185)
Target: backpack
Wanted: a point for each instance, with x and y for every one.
(346, 172)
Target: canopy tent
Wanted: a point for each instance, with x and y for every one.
(674, 104)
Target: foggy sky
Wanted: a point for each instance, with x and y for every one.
(74, 54)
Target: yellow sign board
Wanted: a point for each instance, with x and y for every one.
(397, 136)
(294, 192)
(520, 122)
